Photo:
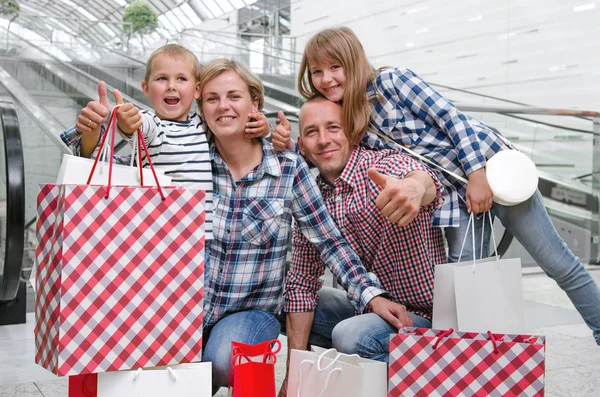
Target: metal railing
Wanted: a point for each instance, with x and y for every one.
(569, 193)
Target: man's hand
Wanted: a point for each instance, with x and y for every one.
(129, 118)
(283, 390)
(392, 312)
(479, 193)
(400, 199)
(281, 138)
(257, 128)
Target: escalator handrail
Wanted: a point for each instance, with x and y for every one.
(15, 201)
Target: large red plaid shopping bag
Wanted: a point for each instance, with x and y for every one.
(426, 362)
(120, 277)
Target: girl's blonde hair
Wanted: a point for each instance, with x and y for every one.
(174, 51)
(340, 45)
(217, 66)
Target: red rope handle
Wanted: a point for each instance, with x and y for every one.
(162, 196)
(112, 126)
(99, 151)
(269, 348)
(493, 339)
(441, 335)
(139, 146)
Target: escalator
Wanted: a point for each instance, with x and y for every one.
(12, 217)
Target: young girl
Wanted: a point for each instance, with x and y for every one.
(398, 104)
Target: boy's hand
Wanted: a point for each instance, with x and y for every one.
(281, 138)
(257, 126)
(129, 118)
(93, 115)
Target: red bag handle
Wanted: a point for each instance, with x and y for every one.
(268, 348)
(441, 335)
(112, 126)
(237, 359)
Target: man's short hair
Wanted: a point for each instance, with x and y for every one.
(313, 99)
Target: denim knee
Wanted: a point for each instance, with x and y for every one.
(250, 327)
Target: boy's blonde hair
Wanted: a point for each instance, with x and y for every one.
(217, 66)
(340, 45)
(175, 51)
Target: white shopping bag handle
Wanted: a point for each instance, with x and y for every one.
(335, 370)
(335, 359)
(472, 225)
(169, 370)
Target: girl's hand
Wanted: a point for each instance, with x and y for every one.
(479, 193)
(257, 126)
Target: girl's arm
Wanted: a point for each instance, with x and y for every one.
(402, 87)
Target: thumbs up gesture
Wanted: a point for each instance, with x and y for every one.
(129, 118)
(399, 199)
(93, 115)
(281, 138)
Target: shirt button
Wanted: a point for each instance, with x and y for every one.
(227, 231)
(338, 198)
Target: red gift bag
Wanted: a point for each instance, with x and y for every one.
(252, 372)
(83, 385)
(426, 362)
(120, 280)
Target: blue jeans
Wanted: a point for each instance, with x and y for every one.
(250, 327)
(337, 325)
(531, 225)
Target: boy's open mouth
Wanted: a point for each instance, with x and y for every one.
(171, 100)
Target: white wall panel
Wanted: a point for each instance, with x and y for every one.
(539, 52)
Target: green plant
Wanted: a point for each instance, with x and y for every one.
(141, 16)
(9, 8)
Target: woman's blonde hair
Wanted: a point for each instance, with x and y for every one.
(340, 45)
(217, 66)
(174, 51)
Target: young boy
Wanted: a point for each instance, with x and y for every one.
(176, 138)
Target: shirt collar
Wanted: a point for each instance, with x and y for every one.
(347, 174)
(269, 164)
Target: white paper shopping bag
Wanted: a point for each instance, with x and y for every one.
(374, 372)
(328, 373)
(486, 297)
(76, 170)
(185, 380)
(481, 295)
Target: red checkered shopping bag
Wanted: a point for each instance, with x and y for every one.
(120, 277)
(426, 362)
